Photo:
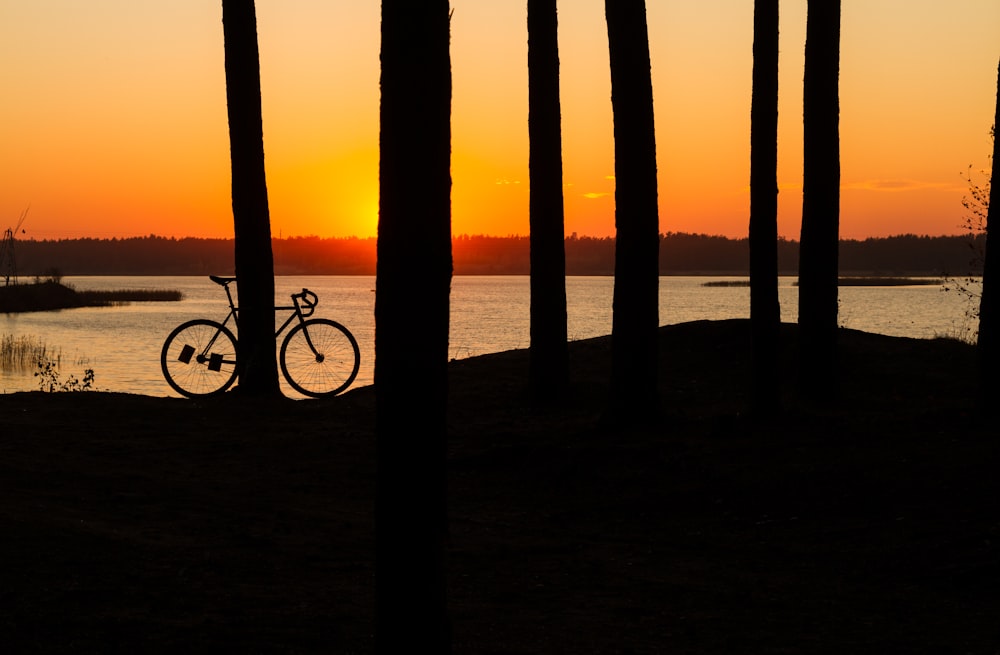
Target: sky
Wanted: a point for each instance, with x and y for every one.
(113, 117)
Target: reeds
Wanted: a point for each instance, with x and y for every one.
(124, 296)
(44, 296)
(22, 353)
(726, 283)
(871, 281)
(879, 281)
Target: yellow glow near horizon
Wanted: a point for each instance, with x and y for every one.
(114, 121)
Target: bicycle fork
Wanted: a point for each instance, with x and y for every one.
(298, 314)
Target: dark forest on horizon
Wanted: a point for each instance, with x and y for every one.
(680, 254)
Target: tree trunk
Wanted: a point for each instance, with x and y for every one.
(254, 261)
(549, 351)
(635, 319)
(989, 319)
(411, 327)
(765, 310)
(818, 247)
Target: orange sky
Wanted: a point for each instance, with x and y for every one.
(113, 120)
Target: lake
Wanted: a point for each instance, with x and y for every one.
(488, 314)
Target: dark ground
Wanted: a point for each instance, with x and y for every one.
(138, 524)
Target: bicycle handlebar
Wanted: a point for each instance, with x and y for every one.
(306, 301)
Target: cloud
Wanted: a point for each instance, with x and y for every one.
(609, 177)
(593, 195)
(502, 181)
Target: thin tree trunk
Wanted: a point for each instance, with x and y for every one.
(549, 351)
(254, 261)
(635, 319)
(818, 248)
(765, 310)
(411, 327)
(988, 344)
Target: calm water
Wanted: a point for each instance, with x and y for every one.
(489, 314)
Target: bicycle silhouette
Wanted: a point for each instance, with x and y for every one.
(318, 357)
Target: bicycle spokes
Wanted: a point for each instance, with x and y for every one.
(319, 357)
(199, 358)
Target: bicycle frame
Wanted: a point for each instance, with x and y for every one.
(302, 307)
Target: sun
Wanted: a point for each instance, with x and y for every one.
(326, 197)
(366, 216)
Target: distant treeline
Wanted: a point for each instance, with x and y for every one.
(680, 254)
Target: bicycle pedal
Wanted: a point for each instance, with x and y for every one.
(215, 362)
(186, 353)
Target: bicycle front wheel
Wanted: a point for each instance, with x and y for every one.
(319, 358)
(199, 358)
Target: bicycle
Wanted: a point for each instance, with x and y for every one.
(318, 357)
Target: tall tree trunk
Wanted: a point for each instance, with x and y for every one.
(251, 219)
(549, 351)
(411, 327)
(818, 248)
(765, 310)
(988, 344)
(635, 319)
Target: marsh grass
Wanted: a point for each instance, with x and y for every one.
(123, 296)
(726, 283)
(50, 294)
(876, 281)
(870, 281)
(22, 353)
(879, 281)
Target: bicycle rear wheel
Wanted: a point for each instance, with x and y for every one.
(199, 358)
(319, 357)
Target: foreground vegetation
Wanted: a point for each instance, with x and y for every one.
(864, 525)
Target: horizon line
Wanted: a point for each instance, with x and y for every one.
(568, 237)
